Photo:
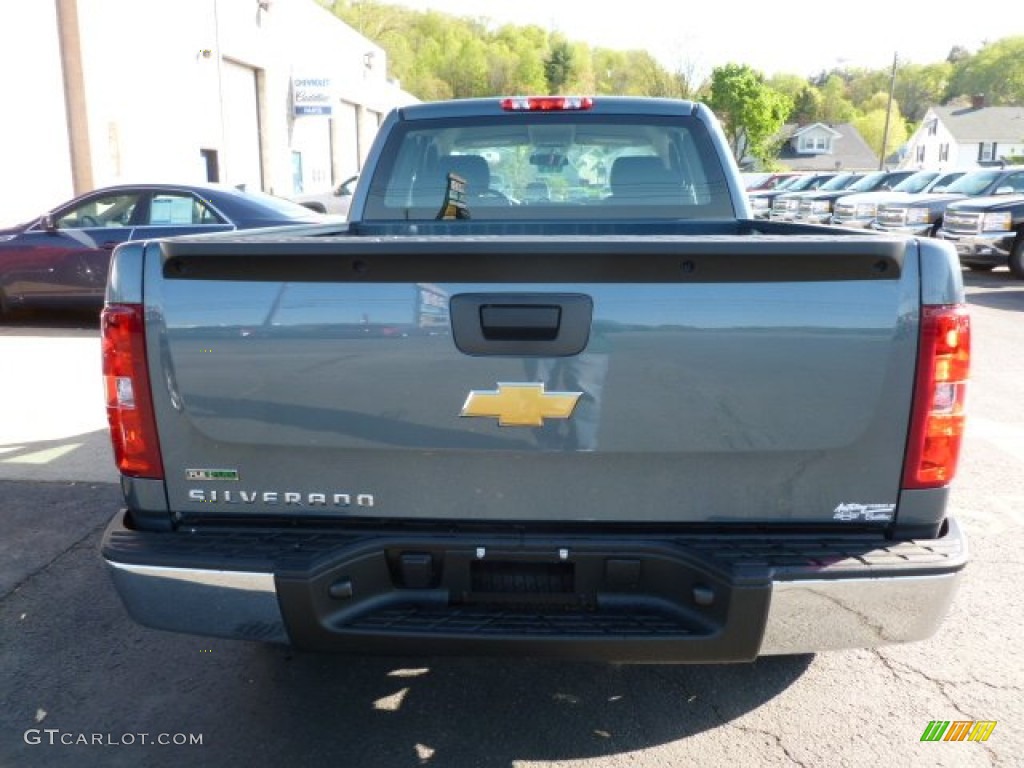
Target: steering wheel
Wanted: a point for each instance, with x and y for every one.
(88, 221)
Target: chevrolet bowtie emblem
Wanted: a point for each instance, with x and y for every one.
(520, 405)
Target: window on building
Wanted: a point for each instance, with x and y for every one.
(987, 151)
(920, 153)
(943, 152)
(933, 127)
(211, 163)
(296, 172)
(814, 144)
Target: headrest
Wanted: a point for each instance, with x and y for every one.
(473, 168)
(634, 176)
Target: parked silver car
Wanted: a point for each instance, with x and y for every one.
(335, 202)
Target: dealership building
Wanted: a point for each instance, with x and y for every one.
(278, 95)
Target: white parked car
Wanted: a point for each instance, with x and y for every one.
(335, 202)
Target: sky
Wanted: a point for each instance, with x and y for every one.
(796, 38)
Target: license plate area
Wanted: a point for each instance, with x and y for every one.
(613, 604)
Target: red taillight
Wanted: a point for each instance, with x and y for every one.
(937, 424)
(126, 381)
(546, 103)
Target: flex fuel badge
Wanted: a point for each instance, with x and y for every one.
(211, 474)
(867, 513)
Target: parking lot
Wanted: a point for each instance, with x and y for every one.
(82, 685)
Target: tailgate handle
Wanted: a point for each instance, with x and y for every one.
(525, 324)
(537, 322)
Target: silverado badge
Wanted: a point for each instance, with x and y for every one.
(520, 405)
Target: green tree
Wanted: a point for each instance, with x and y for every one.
(808, 106)
(558, 66)
(646, 77)
(835, 106)
(871, 125)
(920, 87)
(527, 45)
(750, 111)
(996, 71)
(790, 85)
(610, 71)
(957, 54)
(582, 79)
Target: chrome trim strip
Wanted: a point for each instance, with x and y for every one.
(234, 604)
(821, 615)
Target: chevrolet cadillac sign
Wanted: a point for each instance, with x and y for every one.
(312, 96)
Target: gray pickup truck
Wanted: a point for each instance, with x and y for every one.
(598, 413)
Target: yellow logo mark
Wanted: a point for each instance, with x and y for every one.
(520, 405)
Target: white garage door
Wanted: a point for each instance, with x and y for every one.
(346, 141)
(241, 126)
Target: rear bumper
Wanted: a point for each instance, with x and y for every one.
(642, 599)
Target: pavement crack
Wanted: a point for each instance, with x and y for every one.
(901, 671)
(779, 743)
(49, 563)
(995, 687)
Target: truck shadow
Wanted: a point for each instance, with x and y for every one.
(82, 457)
(995, 290)
(494, 712)
(1005, 298)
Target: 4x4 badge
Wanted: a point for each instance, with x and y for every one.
(520, 405)
(211, 474)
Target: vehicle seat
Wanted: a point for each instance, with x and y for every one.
(537, 192)
(644, 179)
(473, 168)
(477, 173)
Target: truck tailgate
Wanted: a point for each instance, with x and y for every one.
(751, 379)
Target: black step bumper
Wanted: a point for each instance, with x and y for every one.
(628, 597)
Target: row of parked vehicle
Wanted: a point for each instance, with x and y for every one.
(981, 212)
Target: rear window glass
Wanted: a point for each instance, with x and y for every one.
(549, 166)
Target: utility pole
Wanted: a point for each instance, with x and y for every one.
(888, 112)
(77, 116)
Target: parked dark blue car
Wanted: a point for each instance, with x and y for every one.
(61, 259)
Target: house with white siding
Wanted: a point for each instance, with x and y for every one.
(966, 137)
